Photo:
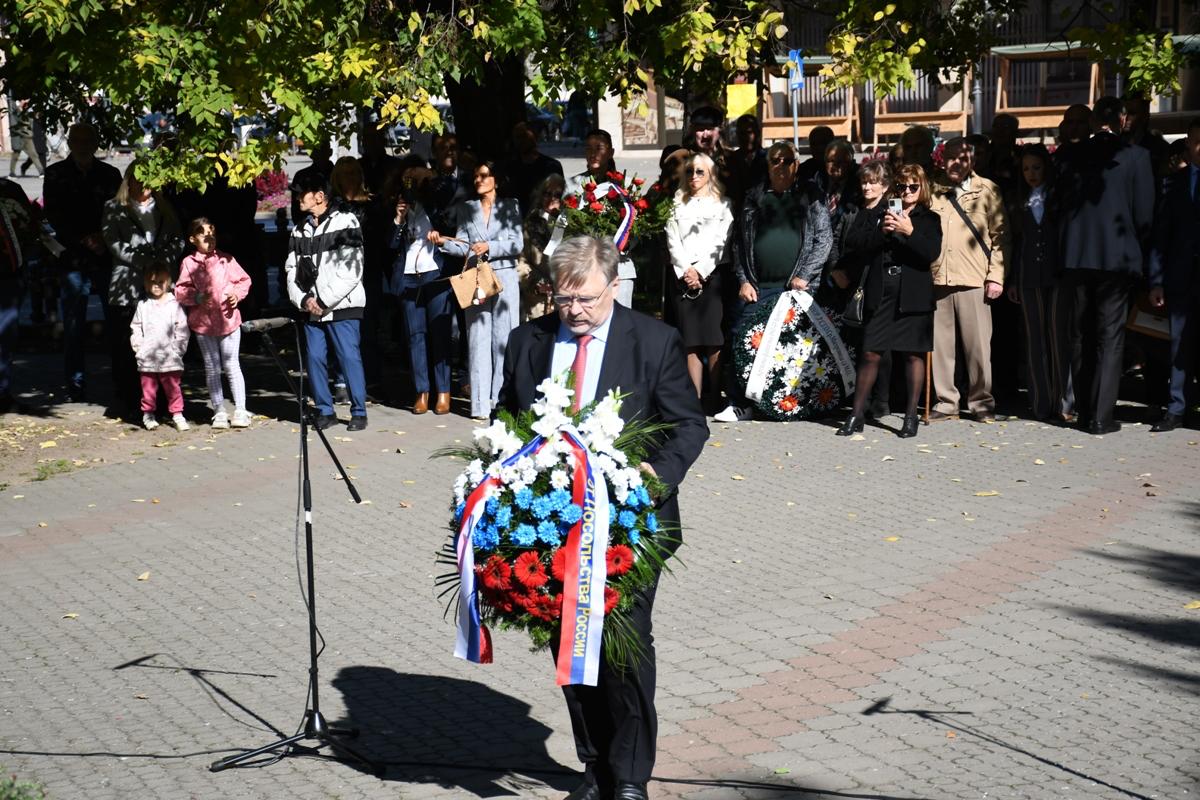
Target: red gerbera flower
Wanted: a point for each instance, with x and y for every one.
(543, 606)
(825, 396)
(495, 573)
(790, 317)
(558, 564)
(597, 207)
(589, 196)
(756, 339)
(619, 558)
(611, 598)
(498, 599)
(529, 571)
(788, 403)
(572, 201)
(612, 175)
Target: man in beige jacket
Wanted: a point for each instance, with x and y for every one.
(966, 277)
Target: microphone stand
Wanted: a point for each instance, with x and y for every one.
(315, 728)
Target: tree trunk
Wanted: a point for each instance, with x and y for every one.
(485, 112)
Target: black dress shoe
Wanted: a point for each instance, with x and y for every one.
(851, 426)
(631, 791)
(357, 424)
(325, 421)
(1098, 428)
(1169, 422)
(909, 428)
(585, 791)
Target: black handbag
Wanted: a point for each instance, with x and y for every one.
(855, 313)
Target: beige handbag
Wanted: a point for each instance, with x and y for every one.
(473, 285)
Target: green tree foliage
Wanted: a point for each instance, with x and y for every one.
(311, 65)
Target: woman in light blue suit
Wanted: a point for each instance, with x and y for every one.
(489, 227)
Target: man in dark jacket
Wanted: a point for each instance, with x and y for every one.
(1175, 274)
(18, 237)
(781, 242)
(1107, 216)
(75, 191)
(609, 347)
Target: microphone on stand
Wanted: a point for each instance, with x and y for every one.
(269, 324)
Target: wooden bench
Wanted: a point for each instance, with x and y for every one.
(844, 125)
(894, 123)
(1042, 116)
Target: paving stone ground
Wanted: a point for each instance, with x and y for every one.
(855, 619)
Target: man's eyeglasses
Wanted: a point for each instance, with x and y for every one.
(565, 300)
(909, 187)
(775, 162)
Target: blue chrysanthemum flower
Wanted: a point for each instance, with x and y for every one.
(524, 498)
(486, 537)
(542, 507)
(491, 506)
(652, 522)
(627, 519)
(643, 495)
(504, 516)
(547, 531)
(560, 499)
(634, 538)
(571, 514)
(458, 512)
(523, 535)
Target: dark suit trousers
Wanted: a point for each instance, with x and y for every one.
(1185, 329)
(1042, 354)
(614, 722)
(1100, 306)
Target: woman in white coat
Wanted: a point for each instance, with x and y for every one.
(488, 227)
(696, 236)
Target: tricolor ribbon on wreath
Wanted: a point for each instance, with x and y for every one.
(756, 383)
(585, 575)
(624, 231)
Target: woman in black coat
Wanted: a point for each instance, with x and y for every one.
(894, 248)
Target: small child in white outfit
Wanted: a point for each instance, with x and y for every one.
(159, 335)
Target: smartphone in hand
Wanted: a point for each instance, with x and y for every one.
(895, 207)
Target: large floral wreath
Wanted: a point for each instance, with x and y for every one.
(802, 362)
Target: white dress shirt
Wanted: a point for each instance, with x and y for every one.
(564, 356)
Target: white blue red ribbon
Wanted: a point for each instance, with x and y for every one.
(624, 230)
(586, 570)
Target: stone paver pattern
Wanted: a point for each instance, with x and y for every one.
(984, 611)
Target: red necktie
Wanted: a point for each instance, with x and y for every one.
(579, 368)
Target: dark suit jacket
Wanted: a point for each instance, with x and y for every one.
(1174, 259)
(872, 249)
(1108, 206)
(643, 358)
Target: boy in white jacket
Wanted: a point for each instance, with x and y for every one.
(159, 336)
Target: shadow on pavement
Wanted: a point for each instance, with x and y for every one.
(772, 791)
(943, 718)
(446, 731)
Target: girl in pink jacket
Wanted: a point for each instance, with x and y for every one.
(211, 285)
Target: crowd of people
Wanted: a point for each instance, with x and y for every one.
(989, 266)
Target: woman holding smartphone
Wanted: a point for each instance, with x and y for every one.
(893, 242)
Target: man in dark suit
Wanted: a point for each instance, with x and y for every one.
(1175, 274)
(607, 346)
(1107, 216)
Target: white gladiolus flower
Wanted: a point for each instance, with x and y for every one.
(498, 439)
(550, 424)
(559, 479)
(554, 396)
(475, 472)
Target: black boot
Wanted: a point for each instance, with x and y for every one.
(851, 426)
(909, 428)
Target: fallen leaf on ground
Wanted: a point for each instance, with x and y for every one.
(141, 697)
(737, 477)
(1038, 461)
(782, 771)
(891, 538)
(887, 458)
(42, 525)
(71, 615)
(145, 576)
(48, 443)
(1192, 606)
(951, 735)
(405, 504)
(988, 493)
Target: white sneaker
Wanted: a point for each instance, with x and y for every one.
(149, 421)
(732, 413)
(241, 418)
(181, 424)
(220, 420)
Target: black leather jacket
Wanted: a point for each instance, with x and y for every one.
(816, 237)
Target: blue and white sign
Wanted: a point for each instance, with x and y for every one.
(796, 74)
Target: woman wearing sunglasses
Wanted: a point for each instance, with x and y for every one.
(894, 242)
(696, 236)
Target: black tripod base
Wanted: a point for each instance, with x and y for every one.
(315, 729)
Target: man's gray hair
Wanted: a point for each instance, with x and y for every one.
(574, 260)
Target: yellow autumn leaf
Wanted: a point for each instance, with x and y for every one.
(48, 443)
(1192, 606)
(988, 493)
(737, 477)
(145, 576)
(891, 538)
(71, 615)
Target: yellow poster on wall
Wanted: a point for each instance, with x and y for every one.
(741, 98)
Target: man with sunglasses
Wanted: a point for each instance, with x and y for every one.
(782, 242)
(609, 347)
(967, 276)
